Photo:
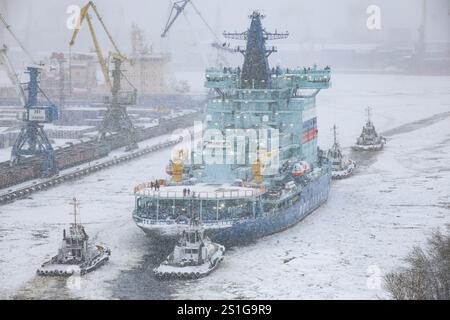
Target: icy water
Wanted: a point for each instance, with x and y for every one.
(365, 159)
(136, 283)
(369, 223)
(139, 282)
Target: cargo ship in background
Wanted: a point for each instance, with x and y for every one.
(71, 78)
(268, 175)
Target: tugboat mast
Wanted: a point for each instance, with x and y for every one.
(75, 206)
(368, 114)
(335, 134)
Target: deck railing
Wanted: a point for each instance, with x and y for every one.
(204, 222)
(203, 195)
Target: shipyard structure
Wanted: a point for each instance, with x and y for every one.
(87, 123)
(258, 169)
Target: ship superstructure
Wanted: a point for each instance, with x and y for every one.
(257, 169)
(194, 256)
(341, 165)
(369, 140)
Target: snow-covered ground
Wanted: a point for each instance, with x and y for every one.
(370, 222)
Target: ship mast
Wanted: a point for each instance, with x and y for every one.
(368, 114)
(335, 134)
(75, 206)
(255, 70)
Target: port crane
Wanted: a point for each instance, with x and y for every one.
(179, 7)
(116, 118)
(32, 139)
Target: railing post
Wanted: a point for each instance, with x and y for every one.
(217, 210)
(157, 209)
(173, 208)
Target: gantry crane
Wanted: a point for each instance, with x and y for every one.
(32, 140)
(116, 118)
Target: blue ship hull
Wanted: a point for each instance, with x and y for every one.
(241, 232)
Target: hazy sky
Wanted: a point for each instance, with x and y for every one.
(42, 24)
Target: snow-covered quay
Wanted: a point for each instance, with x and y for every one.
(370, 222)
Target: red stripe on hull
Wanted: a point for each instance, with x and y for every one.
(310, 135)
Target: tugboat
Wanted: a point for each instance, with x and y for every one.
(341, 166)
(369, 140)
(75, 255)
(194, 256)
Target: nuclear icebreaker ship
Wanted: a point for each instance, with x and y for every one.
(257, 169)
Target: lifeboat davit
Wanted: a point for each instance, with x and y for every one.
(300, 168)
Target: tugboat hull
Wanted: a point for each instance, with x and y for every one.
(54, 269)
(167, 272)
(371, 147)
(341, 174)
(58, 270)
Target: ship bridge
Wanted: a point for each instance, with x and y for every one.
(256, 97)
(299, 78)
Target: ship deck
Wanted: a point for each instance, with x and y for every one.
(201, 191)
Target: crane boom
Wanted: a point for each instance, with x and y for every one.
(106, 30)
(176, 10)
(178, 7)
(8, 27)
(4, 59)
(84, 14)
(98, 50)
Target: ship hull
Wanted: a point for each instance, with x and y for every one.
(372, 147)
(241, 232)
(344, 173)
